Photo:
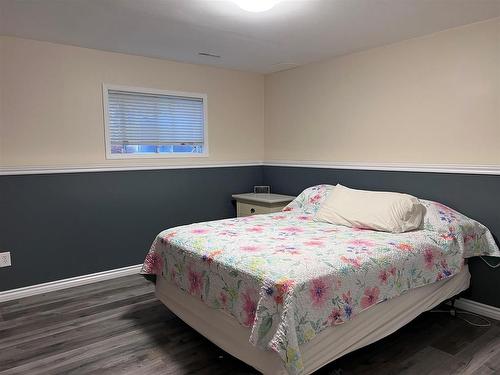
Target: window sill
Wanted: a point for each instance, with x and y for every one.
(177, 155)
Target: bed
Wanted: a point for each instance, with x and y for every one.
(288, 294)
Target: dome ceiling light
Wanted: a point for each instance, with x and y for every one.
(256, 5)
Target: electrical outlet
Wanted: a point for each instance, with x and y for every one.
(5, 260)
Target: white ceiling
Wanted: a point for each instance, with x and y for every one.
(294, 31)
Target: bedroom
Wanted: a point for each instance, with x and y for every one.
(394, 96)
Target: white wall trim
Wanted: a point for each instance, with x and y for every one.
(68, 283)
(401, 167)
(478, 308)
(398, 167)
(107, 168)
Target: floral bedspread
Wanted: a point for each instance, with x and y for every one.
(288, 277)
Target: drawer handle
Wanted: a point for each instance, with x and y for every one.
(252, 210)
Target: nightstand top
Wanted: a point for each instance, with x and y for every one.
(264, 198)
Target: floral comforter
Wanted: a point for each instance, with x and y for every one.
(288, 277)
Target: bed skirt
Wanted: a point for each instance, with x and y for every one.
(369, 326)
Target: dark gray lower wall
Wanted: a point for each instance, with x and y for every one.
(64, 225)
(477, 196)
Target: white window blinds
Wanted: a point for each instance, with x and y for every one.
(150, 119)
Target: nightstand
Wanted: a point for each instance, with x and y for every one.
(254, 204)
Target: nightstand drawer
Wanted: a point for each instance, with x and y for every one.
(260, 203)
(247, 209)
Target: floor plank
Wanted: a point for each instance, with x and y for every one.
(483, 353)
(119, 327)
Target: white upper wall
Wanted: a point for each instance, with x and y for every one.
(52, 113)
(433, 100)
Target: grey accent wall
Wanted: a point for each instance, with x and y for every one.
(64, 225)
(477, 196)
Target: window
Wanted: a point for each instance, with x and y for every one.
(152, 123)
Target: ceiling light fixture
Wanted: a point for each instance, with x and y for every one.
(256, 5)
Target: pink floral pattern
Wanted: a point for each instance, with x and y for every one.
(249, 306)
(319, 291)
(195, 282)
(335, 317)
(289, 277)
(473, 237)
(310, 200)
(370, 297)
(153, 264)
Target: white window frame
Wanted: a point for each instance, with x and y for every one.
(143, 90)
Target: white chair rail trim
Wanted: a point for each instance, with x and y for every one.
(106, 168)
(398, 167)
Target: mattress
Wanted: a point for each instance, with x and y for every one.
(288, 278)
(369, 326)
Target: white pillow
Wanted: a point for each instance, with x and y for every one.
(376, 210)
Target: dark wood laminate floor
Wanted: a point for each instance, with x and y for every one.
(118, 327)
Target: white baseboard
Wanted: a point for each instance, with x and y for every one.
(68, 283)
(478, 308)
